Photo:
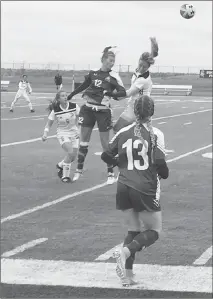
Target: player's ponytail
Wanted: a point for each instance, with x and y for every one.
(149, 57)
(54, 103)
(144, 109)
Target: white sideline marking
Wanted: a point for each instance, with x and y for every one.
(184, 107)
(38, 118)
(207, 155)
(25, 117)
(23, 247)
(108, 254)
(161, 123)
(61, 199)
(102, 275)
(26, 141)
(186, 124)
(34, 105)
(203, 259)
(158, 118)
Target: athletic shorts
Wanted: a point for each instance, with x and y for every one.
(66, 138)
(88, 117)
(129, 198)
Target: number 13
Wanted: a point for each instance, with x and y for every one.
(129, 145)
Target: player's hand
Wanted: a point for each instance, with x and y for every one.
(44, 137)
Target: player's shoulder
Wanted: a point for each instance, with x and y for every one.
(116, 76)
(123, 131)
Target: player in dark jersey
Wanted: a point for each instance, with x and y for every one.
(141, 162)
(98, 87)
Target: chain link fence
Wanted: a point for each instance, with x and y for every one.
(23, 66)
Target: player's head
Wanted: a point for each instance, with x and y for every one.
(60, 99)
(147, 59)
(144, 109)
(24, 77)
(108, 58)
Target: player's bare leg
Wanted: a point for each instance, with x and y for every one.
(29, 103)
(14, 102)
(85, 136)
(104, 137)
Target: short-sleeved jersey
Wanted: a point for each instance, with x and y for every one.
(99, 82)
(24, 86)
(136, 169)
(66, 118)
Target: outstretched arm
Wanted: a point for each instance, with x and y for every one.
(81, 88)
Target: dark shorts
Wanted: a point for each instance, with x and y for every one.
(88, 118)
(129, 198)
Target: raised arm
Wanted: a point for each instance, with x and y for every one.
(82, 87)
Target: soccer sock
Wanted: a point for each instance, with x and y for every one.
(129, 238)
(30, 105)
(66, 170)
(60, 164)
(13, 104)
(82, 152)
(110, 169)
(144, 239)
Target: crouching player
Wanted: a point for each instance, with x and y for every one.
(66, 114)
(141, 162)
(23, 89)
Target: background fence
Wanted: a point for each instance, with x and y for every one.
(119, 68)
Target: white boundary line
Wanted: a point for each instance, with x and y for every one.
(203, 259)
(102, 275)
(158, 118)
(69, 196)
(23, 247)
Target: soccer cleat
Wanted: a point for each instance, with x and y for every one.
(11, 110)
(77, 175)
(32, 110)
(60, 171)
(65, 179)
(111, 178)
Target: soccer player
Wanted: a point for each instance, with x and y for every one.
(98, 87)
(141, 162)
(66, 114)
(58, 81)
(141, 83)
(24, 88)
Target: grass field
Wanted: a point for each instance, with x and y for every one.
(57, 238)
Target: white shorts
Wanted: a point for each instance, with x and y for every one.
(22, 93)
(67, 138)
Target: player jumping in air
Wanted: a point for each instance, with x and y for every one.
(141, 162)
(24, 88)
(141, 84)
(66, 114)
(98, 87)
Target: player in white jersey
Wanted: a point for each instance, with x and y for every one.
(66, 114)
(141, 84)
(23, 89)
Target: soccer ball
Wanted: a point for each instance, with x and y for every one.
(187, 11)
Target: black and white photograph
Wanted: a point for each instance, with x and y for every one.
(106, 149)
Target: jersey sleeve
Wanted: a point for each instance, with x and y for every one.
(52, 115)
(77, 109)
(113, 145)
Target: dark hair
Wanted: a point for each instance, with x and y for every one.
(107, 53)
(149, 57)
(144, 109)
(54, 104)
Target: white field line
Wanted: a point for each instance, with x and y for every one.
(158, 118)
(161, 123)
(102, 275)
(203, 259)
(38, 118)
(105, 256)
(25, 117)
(26, 141)
(72, 195)
(186, 124)
(34, 105)
(23, 247)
